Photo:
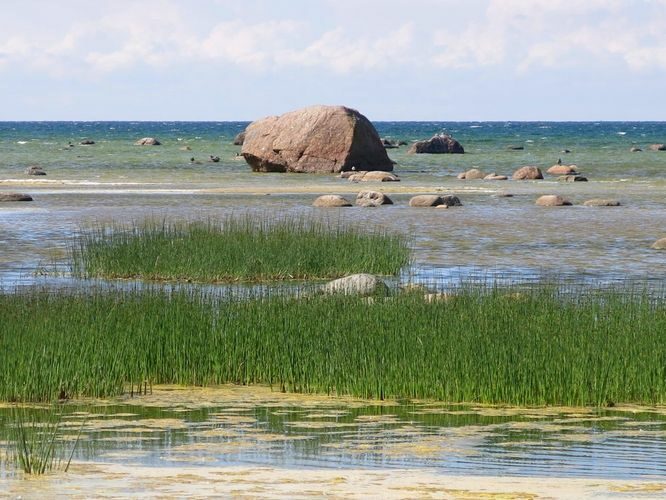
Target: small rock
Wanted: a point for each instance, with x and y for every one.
(601, 202)
(147, 141)
(375, 175)
(331, 200)
(34, 170)
(504, 195)
(635, 149)
(15, 197)
(495, 177)
(565, 151)
(461, 176)
(473, 173)
(513, 147)
(658, 147)
(451, 201)
(527, 173)
(562, 170)
(389, 144)
(185, 148)
(239, 139)
(572, 178)
(660, 244)
(87, 142)
(372, 199)
(552, 200)
(426, 200)
(357, 284)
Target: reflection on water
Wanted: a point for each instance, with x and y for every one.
(235, 425)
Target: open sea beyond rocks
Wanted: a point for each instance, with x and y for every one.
(489, 238)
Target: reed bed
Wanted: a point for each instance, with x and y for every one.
(531, 347)
(236, 249)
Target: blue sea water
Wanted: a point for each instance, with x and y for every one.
(491, 236)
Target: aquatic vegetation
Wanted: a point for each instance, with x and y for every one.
(532, 347)
(34, 444)
(236, 249)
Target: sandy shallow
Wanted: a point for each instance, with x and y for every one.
(117, 481)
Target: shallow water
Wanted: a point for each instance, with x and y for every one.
(115, 180)
(231, 425)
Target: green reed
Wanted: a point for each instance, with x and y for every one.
(236, 249)
(34, 443)
(534, 347)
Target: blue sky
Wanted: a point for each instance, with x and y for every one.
(392, 60)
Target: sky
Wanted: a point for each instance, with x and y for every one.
(436, 60)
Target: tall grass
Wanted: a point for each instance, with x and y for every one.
(236, 249)
(35, 445)
(492, 346)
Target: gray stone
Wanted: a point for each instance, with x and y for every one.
(15, 197)
(34, 170)
(572, 178)
(372, 199)
(147, 141)
(357, 284)
(601, 202)
(660, 244)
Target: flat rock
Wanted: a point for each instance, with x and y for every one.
(374, 175)
(601, 202)
(572, 178)
(437, 144)
(471, 174)
(513, 147)
(527, 172)
(635, 149)
(87, 142)
(316, 139)
(660, 244)
(331, 200)
(15, 197)
(34, 170)
(357, 284)
(147, 141)
(426, 200)
(562, 170)
(495, 177)
(552, 200)
(372, 199)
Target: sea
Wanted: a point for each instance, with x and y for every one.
(490, 238)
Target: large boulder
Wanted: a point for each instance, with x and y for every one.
(319, 139)
(527, 172)
(331, 200)
(15, 197)
(372, 199)
(147, 141)
(426, 200)
(438, 144)
(357, 284)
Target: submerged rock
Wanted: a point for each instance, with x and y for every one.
(331, 200)
(87, 142)
(660, 244)
(426, 200)
(471, 174)
(15, 197)
(601, 202)
(572, 178)
(658, 147)
(513, 147)
(552, 200)
(635, 149)
(34, 170)
(316, 139)
(437, 144)
(147, 141)
(357, 284)
(495, 177)
(372, 199)
(527, 172)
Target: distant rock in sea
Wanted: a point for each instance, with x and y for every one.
(527, 172)
(34, 170)
(239, 139)
(438, 144)
(658, 147)
(15, 197)
(147, 141)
